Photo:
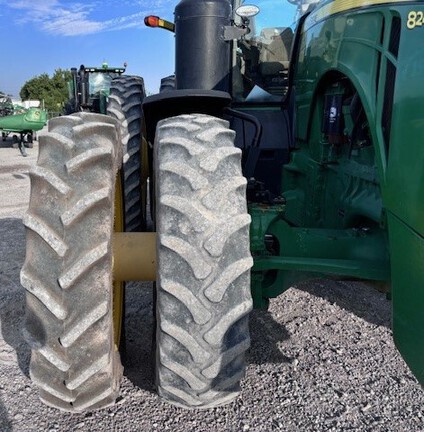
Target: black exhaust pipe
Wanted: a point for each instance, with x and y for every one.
(202, 55)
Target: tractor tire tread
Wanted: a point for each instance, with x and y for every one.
(126, 96)
(69, 230)
(204, 263)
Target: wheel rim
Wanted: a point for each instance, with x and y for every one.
(118, 286)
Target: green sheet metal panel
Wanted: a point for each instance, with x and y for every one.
(404, 191)
(405, 170)
(407, 261)
(378, 46)
(32, 120)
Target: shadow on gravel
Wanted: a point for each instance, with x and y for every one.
(139, 322)
(13, 348)
(12, 311)
(265, 334)
(362, 300)
(7, 143)
(12, 297)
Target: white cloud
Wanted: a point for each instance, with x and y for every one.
(72, 18)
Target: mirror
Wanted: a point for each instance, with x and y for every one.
(247, 11)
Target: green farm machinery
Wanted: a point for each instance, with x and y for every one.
(276, 154)
(90, 88)
(22, 121)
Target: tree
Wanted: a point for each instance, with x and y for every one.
(53, 91)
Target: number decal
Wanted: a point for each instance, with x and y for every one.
(412, 16)
(415, 19)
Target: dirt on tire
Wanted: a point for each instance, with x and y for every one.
(203, 283)
(68, 268)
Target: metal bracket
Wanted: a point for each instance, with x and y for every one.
(233, 32)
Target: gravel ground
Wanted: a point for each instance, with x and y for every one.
(322, 357)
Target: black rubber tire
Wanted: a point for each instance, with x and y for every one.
(124, 104)
(68, 267)
(167, 84)
(29, 141)
(203, 280)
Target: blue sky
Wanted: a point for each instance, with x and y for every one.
(38, 36)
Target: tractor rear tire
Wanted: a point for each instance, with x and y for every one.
(203, 278)
(167, 84)
(124, 104)
(68, 268)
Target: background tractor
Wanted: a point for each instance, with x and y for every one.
(276, 154)
(90, 88)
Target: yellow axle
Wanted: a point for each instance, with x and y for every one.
(134, 256)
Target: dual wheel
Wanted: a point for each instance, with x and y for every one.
(74, 307)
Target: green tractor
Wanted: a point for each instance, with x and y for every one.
(277, 154)
(89, 88)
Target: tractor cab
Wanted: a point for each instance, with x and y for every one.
(261, 56)
(89, 88)
(100, 82)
